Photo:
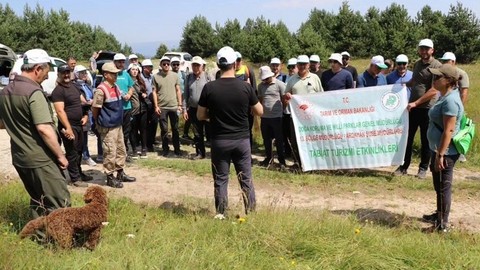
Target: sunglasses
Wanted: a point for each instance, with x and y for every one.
(345, 58)
(401, 63)
(165, 64)
(290, 67)
(175, 65)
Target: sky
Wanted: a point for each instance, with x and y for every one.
(147, 23)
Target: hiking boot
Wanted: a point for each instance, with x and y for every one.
(85, 177)
(422, 173)
(400, 171)
(283, 167)
(199, 156)
(135, 156)
(165, 153)
(78, 183)
(462, 158)
(178, 153)
(432, 218)
(113, 182)
(123, 177)
(143, 155)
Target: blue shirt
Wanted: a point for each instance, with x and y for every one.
(148, 83)
(181, 77)
(450, 105)
(124, 82)
(367, 80)
(337, 81)
(395, 78)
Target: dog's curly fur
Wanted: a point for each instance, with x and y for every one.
(62, 224)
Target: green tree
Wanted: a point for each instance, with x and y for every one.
(348, 29)
(374, 34)
(230, 33)
(161, 50)
(310, 42)
(199, 37)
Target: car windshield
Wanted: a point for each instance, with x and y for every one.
(170, 55)
(105, 56)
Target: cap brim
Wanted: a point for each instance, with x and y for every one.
(435, 71)
(382, 66)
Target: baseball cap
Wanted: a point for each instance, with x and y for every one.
(135, 66)
(79, 68)
(266, 72)
(64, 68)
(275, 60)
(197, 60)
(119, 56)
(401, 58)
(132, 56)
(446, 70)
(239, 55)
(37, 56)
(314, 58)
(336, 57)
(174, 59)
(302, 59)
(345, 53)
(379, 61)
(292, 62)
(147, 62)
(226, 56)
(164, 58)
(110, 67)
(426, 43)
(448, 56)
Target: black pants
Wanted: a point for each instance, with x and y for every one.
(223, 153)
(293, 140)
(139, 131)
(251, 120)
(165, 116)
(272, 129)
(286, 121)
(152, 125)
(417, 117)
(198, 127)
(127, 127)
(73, 152)
(442, 182)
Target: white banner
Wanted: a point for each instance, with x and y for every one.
(356, 128)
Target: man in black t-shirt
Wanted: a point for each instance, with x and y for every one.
(227, 102)
(347, 66)
(66, 99)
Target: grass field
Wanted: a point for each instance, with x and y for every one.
(186, 237)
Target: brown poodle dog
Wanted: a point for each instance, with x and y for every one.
(63, 223)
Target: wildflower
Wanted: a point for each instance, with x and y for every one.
(357, 231)
(105, 223)
(11, 224)
(241, 220)
(130, 235)
(293, 262)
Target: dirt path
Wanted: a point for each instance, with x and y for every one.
(162, 187)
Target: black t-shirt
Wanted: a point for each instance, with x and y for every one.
(354, 72)
(70, 96)
(228, 101)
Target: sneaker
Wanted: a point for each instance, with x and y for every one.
(165, 153)
(90, 162)
(462, 158)
(432, 218)
(219, 216)
(178, 154)
(78, 183)
(422, 174)
(400, 171)
(99, 159)
(199, 156)
(135, 156)
(143, 155)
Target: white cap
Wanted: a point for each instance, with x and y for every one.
(292, 62)
(302, 59)
(198, 60)
(379, 61)
(345, 53)
(336, 57)
(314, 58)
(147, 62)
(119, 56)
(164, 58)
(132, 56)
(175, 59)
(449, 56)
(37, 56)
(266, 72)
(79, 68)
(401, 58)
(135, 66)
(275, 60)
(226, 56)
(426, 43)
(239, 55)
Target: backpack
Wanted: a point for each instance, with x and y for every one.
(464, 137)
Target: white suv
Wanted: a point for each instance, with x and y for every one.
(185, 60)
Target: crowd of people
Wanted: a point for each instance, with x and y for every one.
(125, 110)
